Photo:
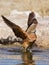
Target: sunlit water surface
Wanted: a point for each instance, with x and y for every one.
(15, 56)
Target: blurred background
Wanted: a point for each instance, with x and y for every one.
(40, 6)
(18, 11)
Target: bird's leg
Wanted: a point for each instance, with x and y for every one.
(25, 44)
(29, 41)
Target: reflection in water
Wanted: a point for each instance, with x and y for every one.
(12, 56)
(15, 56)
(27, 58)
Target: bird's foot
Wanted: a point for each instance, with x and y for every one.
(26, 49)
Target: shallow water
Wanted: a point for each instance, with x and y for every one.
(15, 56)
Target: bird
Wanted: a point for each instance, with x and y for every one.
(19, 32)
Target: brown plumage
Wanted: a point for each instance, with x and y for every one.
(31, 16)
(27, 38)
(31, 20)
(16, 29)
(32, 27)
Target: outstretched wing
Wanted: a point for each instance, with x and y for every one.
(16, 29)
(32, 27)
(27, 38)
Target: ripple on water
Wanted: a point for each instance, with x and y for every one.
(14, 56)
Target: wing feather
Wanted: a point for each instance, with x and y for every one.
(16, 29)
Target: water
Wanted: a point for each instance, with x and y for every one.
(15, 56)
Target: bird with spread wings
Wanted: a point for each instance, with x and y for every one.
(27, 36)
